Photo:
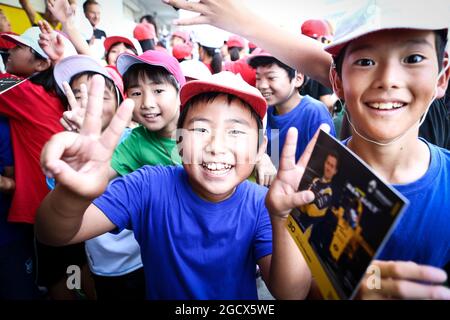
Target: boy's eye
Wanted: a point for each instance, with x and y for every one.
(77, 98)
(365, 62)
(235, 132)
(199, 130)
(135, 94)
(414, 58)
(158, 91)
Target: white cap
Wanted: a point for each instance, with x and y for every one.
(376, 15)
(195, 69)
(29, 38)
(209, 36)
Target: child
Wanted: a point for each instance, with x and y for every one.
(114, 260)
(115, 46)
(389, 69)
(279, 84)
(202, 227)
(152, 81)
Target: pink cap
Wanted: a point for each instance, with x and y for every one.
(225, 82)
(110, 41)
(315, 28)
(68, 67)
(153, 58)
(235, 41)
(144, 31)
(258, 52)
(181, 34)
(181, 51)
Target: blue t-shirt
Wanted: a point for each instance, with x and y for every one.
(191, 248)
(307, 116)
(423, 233)
(8, 231)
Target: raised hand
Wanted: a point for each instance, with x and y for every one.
(72, 120)
(224, 14)
(404, 280)
(80, 161)
(50, 42)
(283, 195)
(61, 9)
(265, 171)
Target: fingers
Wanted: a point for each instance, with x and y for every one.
(293, 200)
(303, 161)
(287, 160)
(403, 289)
(53, 151)
(73, 103)
(65, 122)
(192, 21)
(84, 96)
(92, 123)
(411, 271)
(185, 5)
(113, 132)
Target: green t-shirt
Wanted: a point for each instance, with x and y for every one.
(144, 147)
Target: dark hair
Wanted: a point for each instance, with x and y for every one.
(151, 20)
(88, 3)
(128, 46)
(45, 79)
(216, 64)
(108, 82)
(148, 44)
(156, 74)
(268, 61)
(331, 153)
(440, 43)
(210, 96)
(234, 53)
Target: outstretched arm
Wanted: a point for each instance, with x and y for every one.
(287, 273)
(29, 10)
(80, 162)
(63, 11)
(299, 51)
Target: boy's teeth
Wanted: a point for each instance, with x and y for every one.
(386, 105)
(213, 166)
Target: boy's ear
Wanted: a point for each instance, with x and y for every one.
(442, 82)
(299, 80)
(42, 65)
(262, 149)
(336, 83)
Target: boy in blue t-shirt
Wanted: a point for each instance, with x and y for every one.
(202, 227)
(389, 65)
(279, 84)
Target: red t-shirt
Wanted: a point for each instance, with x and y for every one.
(33, 116)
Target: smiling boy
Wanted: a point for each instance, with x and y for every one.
(202, 227)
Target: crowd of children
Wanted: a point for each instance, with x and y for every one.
(161, 179)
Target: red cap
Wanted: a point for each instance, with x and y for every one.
(153, 58)
(314, 28)
(225, 82)
(242, 67)
(181, 51)
(110, 41)
(144, 31)
(6, 44)
(235, 41)
(181, 34)
(251, 45)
